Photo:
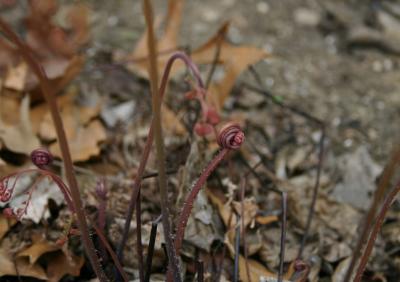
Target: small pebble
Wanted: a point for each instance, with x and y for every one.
(306, 17)
(262, 7)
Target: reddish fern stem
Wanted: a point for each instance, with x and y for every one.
(366, 223)
(48, 94)
(374, 233)
(230, 138)
(150, 136)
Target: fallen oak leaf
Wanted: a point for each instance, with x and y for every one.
(37, 249)
(167, 42)
(235, 60)
(60, 265)
(86, 142)
(19, 266)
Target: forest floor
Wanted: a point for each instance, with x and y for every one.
(336, 61)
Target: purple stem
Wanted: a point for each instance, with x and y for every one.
(150, 136)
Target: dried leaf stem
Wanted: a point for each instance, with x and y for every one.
(48, 94)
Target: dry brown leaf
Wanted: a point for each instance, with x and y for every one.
(16, 77)
(20, 138)
(265, 220)
(5, 223)
(20, 266)
(225, 211)
(250, 210)
(167, 42)
(85, 143)
(235, 60)
(73, 117)
(49, 40)
(9, 107)
(256, 270)
(171, 122)
(37, 249)
(60, 265)
(53, 46)
(83, 132)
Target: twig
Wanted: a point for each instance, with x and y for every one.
(214, 64)
(314, 196)
(366, 225)
(283, 236)
(374, 233)
(45, 86)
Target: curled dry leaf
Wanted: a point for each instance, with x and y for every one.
(20, 138)
(235, 60)
(17, 266)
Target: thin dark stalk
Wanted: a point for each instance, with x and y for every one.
(150, 252)
(237, 254)
(293, 109)
(242, 192)
(366, 225)
(139, 247)
(374, 233)
(146, 151)
(159, 143)
(200, 271)
(221, 264)
(48, 94)
(283, 236)
(311, 211)
(214, 64)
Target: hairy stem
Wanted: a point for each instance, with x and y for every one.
(188, 205)
(48, 94)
